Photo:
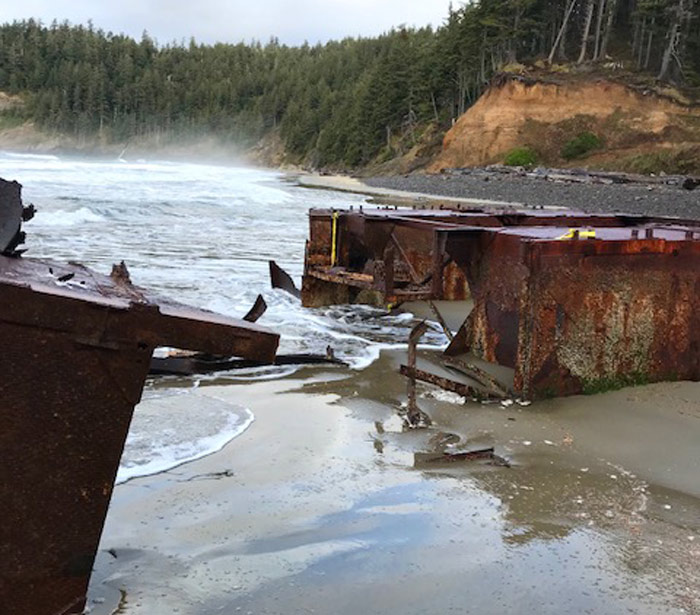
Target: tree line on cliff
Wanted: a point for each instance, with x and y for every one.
(343, 103)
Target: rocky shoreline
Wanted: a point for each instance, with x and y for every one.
(647, 198)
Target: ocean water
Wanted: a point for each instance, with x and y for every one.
(202, 234)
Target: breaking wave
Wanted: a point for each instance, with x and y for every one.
(75, 217)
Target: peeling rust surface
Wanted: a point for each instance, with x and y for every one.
(573, 302)
(76, 351)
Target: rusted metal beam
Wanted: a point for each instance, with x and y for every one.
(460, 388)
(427, 459)
(76, 349)
(202, 363)
(486, 380)
(414, 415)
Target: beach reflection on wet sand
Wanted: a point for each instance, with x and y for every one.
(317, 507)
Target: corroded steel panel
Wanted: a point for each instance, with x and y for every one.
(573, 302)
(584, 315)
(611, 319)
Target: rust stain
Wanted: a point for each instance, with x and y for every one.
(76, 350)
(573, 302)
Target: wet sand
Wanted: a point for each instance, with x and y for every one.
(319, 508)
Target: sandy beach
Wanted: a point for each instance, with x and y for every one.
(320, 506)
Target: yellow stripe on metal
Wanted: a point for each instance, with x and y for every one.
(334, 236)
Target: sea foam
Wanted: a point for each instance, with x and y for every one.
(173, 429)
(83, 215)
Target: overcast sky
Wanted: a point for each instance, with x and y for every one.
(210, 21)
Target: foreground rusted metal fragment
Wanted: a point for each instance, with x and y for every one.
(426, 459)
(466, 391)
(573, 302)
(188, 364)
(279, 278)
(76, 348)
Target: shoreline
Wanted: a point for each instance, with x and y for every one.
(320, 506)
(479, 188)
(475, 187)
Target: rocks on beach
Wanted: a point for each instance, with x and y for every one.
(556, 188)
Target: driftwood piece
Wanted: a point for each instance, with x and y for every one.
(493, 386)
(584, 176)
(279, 278)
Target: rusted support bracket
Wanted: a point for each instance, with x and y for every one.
(496, 388)
(414, 415)
(383, 275)
(440, 319)
(411, 270)
(439, 243)
(444, 383)
(258, 309)
(279, 278)
(414, 277)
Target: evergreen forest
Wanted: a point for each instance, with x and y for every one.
(344, 103)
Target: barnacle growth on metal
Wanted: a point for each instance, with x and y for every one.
(572, 302)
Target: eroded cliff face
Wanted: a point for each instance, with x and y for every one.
(544, 116)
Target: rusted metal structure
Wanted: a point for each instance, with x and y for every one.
(76, 349)
(572, 302)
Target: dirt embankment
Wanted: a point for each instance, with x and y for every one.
(638, 131)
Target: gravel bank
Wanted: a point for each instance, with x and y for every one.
(626, 198)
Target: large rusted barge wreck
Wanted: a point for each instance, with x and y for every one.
(572, 302)
(76, 349)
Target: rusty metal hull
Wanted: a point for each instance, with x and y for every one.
(586, 315)
(76, 352)
(572, 302)
(378, 259)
